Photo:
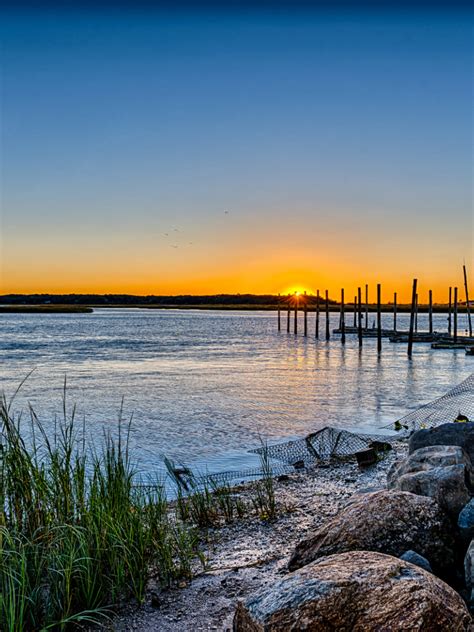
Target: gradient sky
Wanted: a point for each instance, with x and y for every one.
(339, 143)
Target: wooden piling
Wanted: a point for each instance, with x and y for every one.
(296, 314)
(316, 333)
(416, 313)
(455, 315)
(379, 319)
(430, 314)
(355, 311)
(450, 310)
(468, 308)
(288, 315)
(394, 311)
(305, 314)
(279, 312)
(359, 313)
(366, 306)
(327, 315)
(343, 324)
(412, 318)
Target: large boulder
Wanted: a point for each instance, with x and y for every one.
(443, 472)
(460, 434)
(356, 591)
(391, 522)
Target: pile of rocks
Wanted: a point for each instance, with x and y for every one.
(400, 558)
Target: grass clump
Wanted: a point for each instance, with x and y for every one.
(77, 536)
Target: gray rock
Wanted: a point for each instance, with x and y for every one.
(357, 592)
(440, 472)
(469, 572)
(391, 522)
(418, 560)
(466, 521)
(460, 434)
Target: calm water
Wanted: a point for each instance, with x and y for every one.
(202, 386)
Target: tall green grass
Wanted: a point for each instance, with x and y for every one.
(77, 536)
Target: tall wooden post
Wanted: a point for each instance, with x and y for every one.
(288, 305)
(412, 318)
(279, 312)
(416, 313)
(343, 324)
(355, 311)
(395, 312)
(327, 316)
(359, 313)
(316, 333)
(305, 315)
(379, 319)
(366, 306)
(296, 314)
(450, 307)
(455, 315)
(430, 315)
(468, 307)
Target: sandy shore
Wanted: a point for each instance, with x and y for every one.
(250, 553)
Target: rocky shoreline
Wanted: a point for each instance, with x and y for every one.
(390, 546)
(250, 554)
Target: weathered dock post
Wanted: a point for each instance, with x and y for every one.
(288, 313)
(467, 301)
(366, 306)
(379, 318)
(305, 315)
(279, 312)
(395, 312)
(430, 314)
(416, 313)
(359, 310)
(296, 314)
(450, 306)
(355, 311)
(412, 318)
(316, 332)
(327, 315)
(343, 323)
(455, 315)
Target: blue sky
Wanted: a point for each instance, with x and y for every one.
(319, 132)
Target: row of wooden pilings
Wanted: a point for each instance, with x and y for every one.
(292, 304)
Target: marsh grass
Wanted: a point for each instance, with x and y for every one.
(77, 536)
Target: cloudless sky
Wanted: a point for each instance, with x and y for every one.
(339, 143)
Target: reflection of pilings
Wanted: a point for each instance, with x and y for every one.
(316, 332)
(379, 319)
(327, 316)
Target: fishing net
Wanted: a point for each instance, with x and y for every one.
(456, 403)
(323, 445)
